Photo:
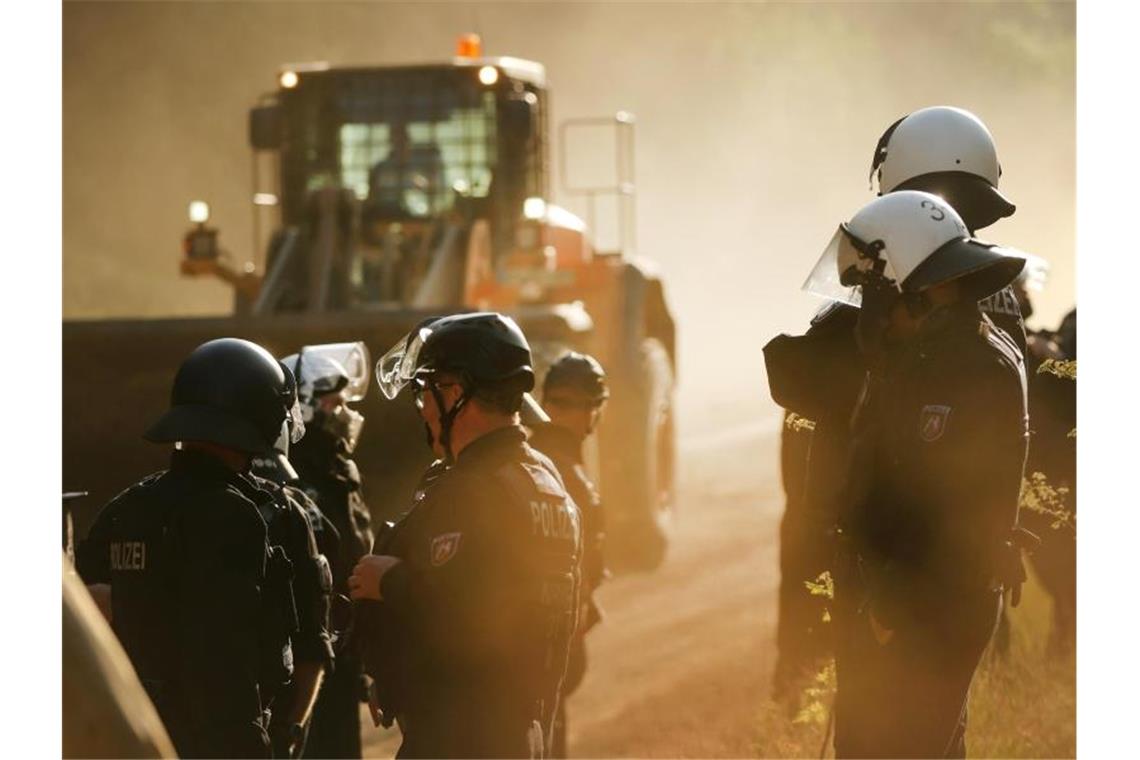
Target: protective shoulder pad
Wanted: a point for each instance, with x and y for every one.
(525, 479)
(141, 487)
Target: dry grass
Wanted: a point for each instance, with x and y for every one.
(1022, 705)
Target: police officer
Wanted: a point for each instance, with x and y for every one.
(931, 504)
(330, 377)
(574, 394)
(290, 519)
(949, 152)
(481, 577)
(200, 599)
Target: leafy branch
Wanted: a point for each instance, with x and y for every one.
(817, 695)
(1038, 495)
(797, 423)
(1063, 368)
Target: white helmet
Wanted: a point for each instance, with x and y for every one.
(947, 151)
(343, 368)
(915, 240)
(329, 368)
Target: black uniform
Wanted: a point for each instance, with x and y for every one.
(939, 447)
(287, 518)
(333, 481)
(565, 451)
(200, 601)
(819, 376)
(482, 606)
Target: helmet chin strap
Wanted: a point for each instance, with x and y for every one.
(447, 419)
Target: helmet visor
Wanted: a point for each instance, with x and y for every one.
(837, 272)
(348, 366)
(397, 367)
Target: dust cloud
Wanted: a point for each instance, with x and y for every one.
(755, 128)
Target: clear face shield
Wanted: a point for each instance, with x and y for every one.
(340, 367)
(397, 367)
(844, 265)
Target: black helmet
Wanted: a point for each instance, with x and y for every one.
(233, 393)
(486, 349)
(579, 372)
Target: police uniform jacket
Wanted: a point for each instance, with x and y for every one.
(186, 555)
(939, 448)
(288, 519)
(333, 481)
(484, 601)
(565, 451)
(820, 374)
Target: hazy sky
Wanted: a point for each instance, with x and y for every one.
(756, 124)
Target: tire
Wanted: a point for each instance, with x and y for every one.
(641, 461)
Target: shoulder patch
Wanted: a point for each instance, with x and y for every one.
(444, 547)
(932, 422)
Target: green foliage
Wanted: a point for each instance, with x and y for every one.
(1063, 368)
(823, 585)
(817, 697)
(1039, 496)
(1022, 705)
(798, 423)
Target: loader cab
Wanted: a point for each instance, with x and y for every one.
(401, 158)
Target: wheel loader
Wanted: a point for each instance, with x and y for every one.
(388, 195)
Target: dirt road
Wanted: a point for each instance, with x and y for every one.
(682, 660)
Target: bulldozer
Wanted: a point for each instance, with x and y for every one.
(389, 195)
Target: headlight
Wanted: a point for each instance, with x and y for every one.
(488, 75)
(199, 212)
(534, 208)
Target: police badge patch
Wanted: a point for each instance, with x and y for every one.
(932, 422)
(443, 548)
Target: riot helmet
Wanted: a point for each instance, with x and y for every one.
(948, 152)
(915, 241)
(580, 373)
(233, 393)
(340, 369)
(486, 351)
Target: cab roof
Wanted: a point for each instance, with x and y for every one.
(531, 72)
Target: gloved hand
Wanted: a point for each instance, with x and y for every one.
(1011, 563)
(879, 297)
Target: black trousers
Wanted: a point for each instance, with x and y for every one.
(907, 697)
(474, 726)
(334, 731)
(575, 672)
